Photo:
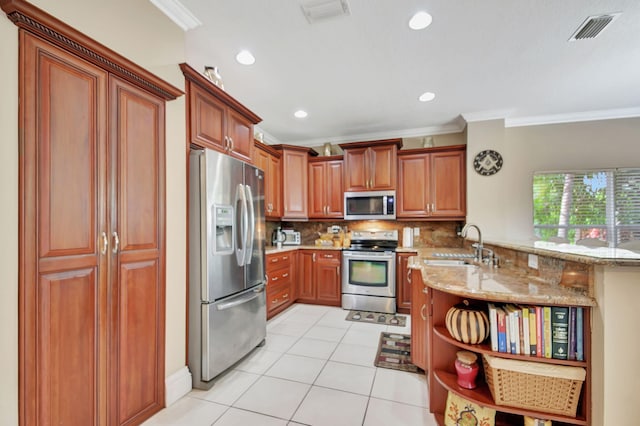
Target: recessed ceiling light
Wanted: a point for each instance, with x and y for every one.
(300, 114)
(427, 96)
(245, 58)
(420, 21)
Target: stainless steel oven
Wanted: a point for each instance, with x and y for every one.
(369, 272)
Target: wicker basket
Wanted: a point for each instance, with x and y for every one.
(547, 388)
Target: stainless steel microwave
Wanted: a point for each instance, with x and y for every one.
(379, 205)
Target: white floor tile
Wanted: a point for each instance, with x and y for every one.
(188, 412)
(400, 386)
(290, 328)
(236, 417)
(228, 387)
(368, 327)
(335, 318)
(258, 361)
(298, 368)
(355, 354)
(328, 407)
(279, 342)
(384, 413)
(321, 349)
(320, 332)
(362, 337)
(273, 397)
(346, 377)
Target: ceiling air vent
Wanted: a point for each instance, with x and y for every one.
(322, 10)
(593, 26)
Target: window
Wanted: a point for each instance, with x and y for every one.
(597, 205)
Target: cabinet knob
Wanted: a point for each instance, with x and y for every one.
(285, 275)
(105, 243)
(116, 242)
(409, 275)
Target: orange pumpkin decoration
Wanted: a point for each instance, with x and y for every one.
(467, 324)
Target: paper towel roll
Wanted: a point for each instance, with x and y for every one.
(407, 237)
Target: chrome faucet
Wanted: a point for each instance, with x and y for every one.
(479, 256)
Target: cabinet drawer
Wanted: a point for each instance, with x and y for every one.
(329, 256)
(280, 275)
(277, 261)
(278, 295)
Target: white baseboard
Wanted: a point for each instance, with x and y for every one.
(177, 385)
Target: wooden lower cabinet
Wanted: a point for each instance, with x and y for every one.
(419, 312)
(403, 283)
(281, 286)
(92, 244)
(319, 277)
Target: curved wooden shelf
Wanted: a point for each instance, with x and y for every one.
(482, 396)
(441, 332)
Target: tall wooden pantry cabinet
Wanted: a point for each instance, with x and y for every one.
(92, 229)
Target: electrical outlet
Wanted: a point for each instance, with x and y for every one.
(416, 232)
(533, 261)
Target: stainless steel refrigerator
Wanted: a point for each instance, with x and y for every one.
(227, 302)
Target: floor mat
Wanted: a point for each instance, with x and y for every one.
(377, 318)
(394, 351)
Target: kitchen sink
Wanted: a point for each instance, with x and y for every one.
(447, 262)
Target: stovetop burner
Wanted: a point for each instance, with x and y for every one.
(374, 240)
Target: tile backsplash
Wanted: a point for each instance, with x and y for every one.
(432, 234)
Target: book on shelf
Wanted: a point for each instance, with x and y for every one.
(572, 334)
(493, 326)
(546, 324)
(533, 324)
(560, 332)
(502, 329)
(514, 332)
(579, 334)
(539, 332)
(526, 348)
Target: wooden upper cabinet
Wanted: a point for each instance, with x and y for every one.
(215, 119)
(371, 166)
(294, 164)
(326, 193)
(268, 159)
(432, 183)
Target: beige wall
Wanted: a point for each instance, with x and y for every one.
(138, 31)
(9, 222)
(502, 206)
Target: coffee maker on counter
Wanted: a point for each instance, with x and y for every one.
(278, 237)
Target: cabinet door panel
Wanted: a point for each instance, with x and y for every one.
(138, 340)
(383, 167)
(295, 183)
(240, 130)
(306, 290)
(403, 283)
(317, 191)
(335, 189)
(139, 131)
(137, 144)
(448, 184)
(68, 345)
(355, 169)
(62, 275)
(327, 280)
(275, 187)
(419, 312)
(207, 120)
(413, 185)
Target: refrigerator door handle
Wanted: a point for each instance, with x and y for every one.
(242, 299)
(251, 220)
(241, 231)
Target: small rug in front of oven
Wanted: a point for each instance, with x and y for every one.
(394, 351)
(377, 318)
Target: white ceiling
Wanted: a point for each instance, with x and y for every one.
(359, 76)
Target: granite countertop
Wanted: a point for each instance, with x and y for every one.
(274, 249)
(482, 282)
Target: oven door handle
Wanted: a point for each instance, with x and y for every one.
(368, 255)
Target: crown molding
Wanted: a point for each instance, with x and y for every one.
(609, 114)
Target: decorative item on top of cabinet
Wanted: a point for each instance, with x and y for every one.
(326, 182)
(268, 159)
(215, 119)
(403, 283)
(294, 164)
(280, 271)
(92, 245)
(432, 183)
(371, 166)
(319, 277)
(443, 379)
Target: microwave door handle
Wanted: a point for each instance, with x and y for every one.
(251, 221)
